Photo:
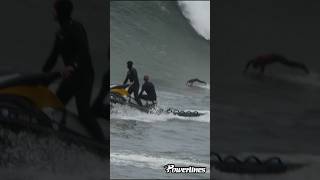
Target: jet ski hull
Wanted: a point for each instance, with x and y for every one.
(27, 104)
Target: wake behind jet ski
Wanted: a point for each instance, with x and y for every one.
(27, 104)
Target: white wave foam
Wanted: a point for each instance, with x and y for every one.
(46, 158)
(207, 86)
(198, 12)
(128, 113)
(149, 161)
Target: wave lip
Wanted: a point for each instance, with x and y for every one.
(198, 13)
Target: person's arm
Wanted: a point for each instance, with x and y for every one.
(126, 80)
(142, 89)
(201, 81)
(247, 66)
(52, 59)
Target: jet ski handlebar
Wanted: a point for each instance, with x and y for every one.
(119, 86)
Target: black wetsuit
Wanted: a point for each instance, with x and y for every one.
(99, 107)
(151, 95)
(132, 76)
(72, 44)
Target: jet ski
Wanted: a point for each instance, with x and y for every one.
(119, 95)
(27, 104)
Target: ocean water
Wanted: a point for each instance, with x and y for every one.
(162, 43)
(277, 115)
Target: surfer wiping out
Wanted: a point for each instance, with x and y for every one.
(267, 59)
(191, 81)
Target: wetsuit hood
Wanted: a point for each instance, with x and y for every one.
(63, 10)
(129, 65)
(146, 78)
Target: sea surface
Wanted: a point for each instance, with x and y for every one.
(162, 43)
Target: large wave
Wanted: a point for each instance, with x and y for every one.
(198, 13)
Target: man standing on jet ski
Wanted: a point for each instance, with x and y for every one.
(132, 76)
(72, 44)
(147, 87)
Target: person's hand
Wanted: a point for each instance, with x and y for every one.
(67, 71)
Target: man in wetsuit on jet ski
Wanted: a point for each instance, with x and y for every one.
(72, 44)
(150, 95)
(132, 76)
(267, 59)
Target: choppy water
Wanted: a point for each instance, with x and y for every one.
(161, 43)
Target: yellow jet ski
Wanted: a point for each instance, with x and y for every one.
(27, 104)
(119, 93)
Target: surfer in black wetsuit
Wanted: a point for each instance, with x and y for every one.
(72, 44)
(147, 87)
(191, 81)
(267, 59)
(132, 76)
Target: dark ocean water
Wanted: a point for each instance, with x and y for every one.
(279, 114)
(161, 42)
